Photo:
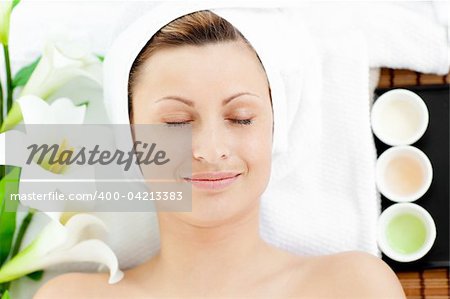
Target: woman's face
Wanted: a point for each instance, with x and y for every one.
(221, 91)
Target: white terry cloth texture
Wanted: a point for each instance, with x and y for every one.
(321, 198)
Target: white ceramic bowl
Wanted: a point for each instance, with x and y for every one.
(384, 237)
(403, 173)
(399, 117)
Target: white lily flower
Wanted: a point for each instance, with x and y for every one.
(5, 14)
(61, 62)
(38, 112)
(70, 237)
(62, 111)
(77, 240)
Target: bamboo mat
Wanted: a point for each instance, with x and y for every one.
(430, 284)
(403, 78)
(433, 283)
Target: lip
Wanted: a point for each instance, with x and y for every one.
(213, 180)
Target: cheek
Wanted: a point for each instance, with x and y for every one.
(255, 149)
(257, 156)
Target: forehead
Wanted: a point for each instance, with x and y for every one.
(217, 66)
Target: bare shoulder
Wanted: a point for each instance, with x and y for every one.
(74, 285)
(352, 274)
(367, 275)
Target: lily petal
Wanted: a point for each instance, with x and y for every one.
(65, 112)
(60, 244)
(62, 111)
(57, 67)
(51, 182)
(30, 258)
(54, 216)
(34, 109)
(19, 154)
(82, 227)
(71, 49)
(88, 251)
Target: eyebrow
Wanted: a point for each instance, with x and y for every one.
(191, 103)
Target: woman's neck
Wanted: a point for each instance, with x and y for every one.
(210, 255)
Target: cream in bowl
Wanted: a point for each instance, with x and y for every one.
(403, 173)
(406, 232)
(399, 117)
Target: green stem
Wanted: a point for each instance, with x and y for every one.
(22, 230)
(9, 87)
(1, 104)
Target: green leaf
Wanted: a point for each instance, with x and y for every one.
(24, 74)
(8, 185)
(84, 103)
(37, 275)
(100, 57)
(6, 295)
(15, 2)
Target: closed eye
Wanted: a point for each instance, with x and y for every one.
(185, 123)
(177, 124)
(241, 121)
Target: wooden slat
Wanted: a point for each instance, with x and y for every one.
(436, 291)
(385, 78)
(426, 79)
(405, 78)
(435, 273)
(408, 275)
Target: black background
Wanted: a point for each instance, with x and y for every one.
(435, 144)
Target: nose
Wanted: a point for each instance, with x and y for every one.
(209, 144)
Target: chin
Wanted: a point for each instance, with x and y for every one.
(212, 210)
